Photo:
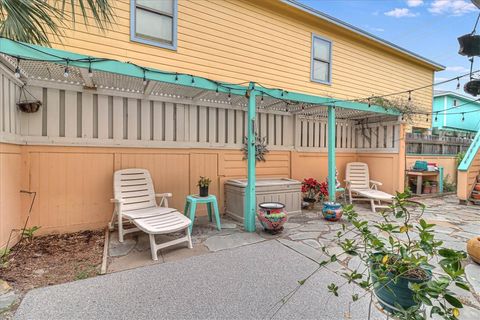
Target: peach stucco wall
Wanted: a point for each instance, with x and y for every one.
(74, 184)
(447, 162)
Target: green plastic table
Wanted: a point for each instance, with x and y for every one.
(191, 207)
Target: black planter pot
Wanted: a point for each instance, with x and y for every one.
(395, 290)
(472, 87)
(203, 191)
(469, 45)
(29, 106)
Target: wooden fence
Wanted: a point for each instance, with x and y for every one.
(435, 145)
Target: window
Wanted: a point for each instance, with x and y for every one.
(321, 60)
(154, 22)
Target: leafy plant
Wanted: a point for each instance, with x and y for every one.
(459, 157)
(310, 188)
(33, 20)
(427, 184)
(204, 182)
(391, 253)
(4, 253)
(28, 233)
(260, 148)
(447, 185)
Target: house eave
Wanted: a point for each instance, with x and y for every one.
(321, 15)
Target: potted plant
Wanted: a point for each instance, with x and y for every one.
(433, 187)
(398, 269)
(427, 187)
(310, 189)
(203, 184)
(332, 210)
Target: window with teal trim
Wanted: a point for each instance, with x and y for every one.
(154, 22)
(321, 59)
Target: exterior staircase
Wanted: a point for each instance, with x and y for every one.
(468, 185)
(475, 195)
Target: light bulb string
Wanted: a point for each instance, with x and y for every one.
(231, 87)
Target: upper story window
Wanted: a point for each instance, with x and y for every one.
(321, 60)
(154, 22)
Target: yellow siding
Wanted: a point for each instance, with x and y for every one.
(262, 41)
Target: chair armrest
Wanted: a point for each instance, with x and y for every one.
(163, 195)
(116, 201)
(376, 182)
(164, 200)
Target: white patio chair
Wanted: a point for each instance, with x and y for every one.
(135, 201)
(358, 184)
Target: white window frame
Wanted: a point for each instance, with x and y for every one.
(159, 43)
(312, 59)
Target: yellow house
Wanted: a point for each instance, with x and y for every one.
(92, 123)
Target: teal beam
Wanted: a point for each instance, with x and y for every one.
(250, 195)
(35, 52)
(331, 154)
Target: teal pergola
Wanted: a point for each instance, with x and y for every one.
(32, 62)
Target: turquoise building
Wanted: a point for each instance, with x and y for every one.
(455, 112)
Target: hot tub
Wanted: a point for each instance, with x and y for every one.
(286, 191)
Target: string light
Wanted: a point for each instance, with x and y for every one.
(216, 92)
(17, 69)
(144, 77)
(458, 83)
(193, 79)
(427, 117)
(436, 116)
(176, 76)
(463, 116)
(66, 71)
(229, 96)
(403, 117)
(369, 104)
(409, 96)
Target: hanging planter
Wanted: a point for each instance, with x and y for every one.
(26, 105)
(469, 45)
(472, 87)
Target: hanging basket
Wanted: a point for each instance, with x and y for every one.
(469, 45)
(26, 105)
(472, 87)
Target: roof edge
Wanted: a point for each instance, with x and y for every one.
(451, 93)
(343, 24)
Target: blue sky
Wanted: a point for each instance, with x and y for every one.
(427, 27)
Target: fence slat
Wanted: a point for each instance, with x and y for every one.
(117, 118)
(71, 114)
(158, 120)
(146, 116)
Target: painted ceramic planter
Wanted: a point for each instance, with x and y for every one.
(473, 249)
(332, 211)
(272, 216)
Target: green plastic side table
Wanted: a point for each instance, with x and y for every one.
(191, 207)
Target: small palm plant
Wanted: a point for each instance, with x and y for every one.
(33, 20)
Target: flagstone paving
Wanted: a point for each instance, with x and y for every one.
(308, 232)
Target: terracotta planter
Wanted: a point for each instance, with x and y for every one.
(477, 187)
(427, 189)
(473, 249)
(434, 189)
(332, 211)
(476, 196)
(272, 216)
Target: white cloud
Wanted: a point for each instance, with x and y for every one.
(401, 13)
(451, 7)
(457, 69)
(414, 3)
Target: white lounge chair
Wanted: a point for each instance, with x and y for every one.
(358, 184)
(135, 201)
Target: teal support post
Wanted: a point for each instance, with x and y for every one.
(440, 178)
(331, 154)
(250, 195)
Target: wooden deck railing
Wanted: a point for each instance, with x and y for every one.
(429, 144)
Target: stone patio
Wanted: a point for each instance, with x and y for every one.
(306, 233)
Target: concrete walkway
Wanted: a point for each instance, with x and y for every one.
(242, 283)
